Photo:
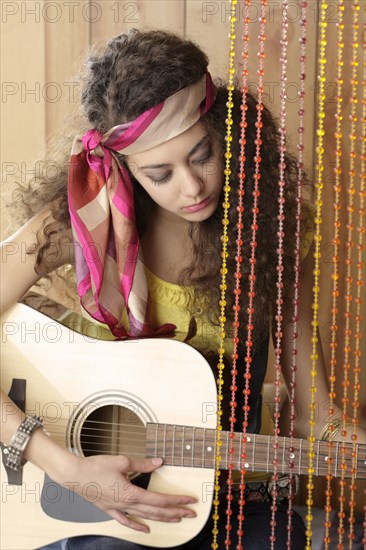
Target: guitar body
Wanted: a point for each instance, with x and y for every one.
(71, 381)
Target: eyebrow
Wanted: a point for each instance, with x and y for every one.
(190, 154)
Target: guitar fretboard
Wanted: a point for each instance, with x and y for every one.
(196, 447)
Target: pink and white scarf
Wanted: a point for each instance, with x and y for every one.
(111, 280)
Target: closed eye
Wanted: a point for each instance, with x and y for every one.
(203, 159)
(158, 181)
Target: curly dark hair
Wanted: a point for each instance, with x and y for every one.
(135, 72)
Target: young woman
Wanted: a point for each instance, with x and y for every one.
(141, 198)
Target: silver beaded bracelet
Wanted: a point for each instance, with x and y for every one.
(15, 459)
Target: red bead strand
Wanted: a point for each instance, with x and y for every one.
(295, 316)
(239, 259)
(252, 260)
(360, 272)
(280, 235)
(348, 278)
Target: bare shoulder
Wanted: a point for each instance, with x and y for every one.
(19, 256)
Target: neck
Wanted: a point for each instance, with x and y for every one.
(166, 246)
(169, 222)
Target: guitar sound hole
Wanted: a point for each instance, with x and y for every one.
(111, 430)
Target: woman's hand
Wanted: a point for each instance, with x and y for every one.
(103, 481)
(336, 433)
(109, 488)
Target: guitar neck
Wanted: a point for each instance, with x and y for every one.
(196, 447)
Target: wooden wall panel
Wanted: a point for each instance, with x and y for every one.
(23, 117)
(207, 24)
(272, 67)
(67, 37)
(117, 16)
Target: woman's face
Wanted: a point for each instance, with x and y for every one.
(183, 176)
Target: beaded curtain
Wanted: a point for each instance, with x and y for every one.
(338, 163)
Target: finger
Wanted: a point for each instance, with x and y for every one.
(145, 465)
(160, 500)
(161, 514)
(128, 521)
(138, 495)
(134, 495)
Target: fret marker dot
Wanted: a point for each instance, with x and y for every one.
(292, 455)
(188, 447)
(246, 465)
(209, 449)
(326, 458)
(248, 440)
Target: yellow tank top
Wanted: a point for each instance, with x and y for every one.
(168, 303)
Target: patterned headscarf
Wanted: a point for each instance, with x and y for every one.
(111, 280)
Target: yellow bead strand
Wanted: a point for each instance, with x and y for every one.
(360, 264)
(348, 279)
(335, 275)
(317, 256)
(223, 286)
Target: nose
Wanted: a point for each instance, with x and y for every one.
(192, 182)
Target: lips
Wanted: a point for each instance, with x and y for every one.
(197, 207)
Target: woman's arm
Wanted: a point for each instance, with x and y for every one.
(18, 258)
(304, 352)
(17, 276)
(106, 472)
(304, 362)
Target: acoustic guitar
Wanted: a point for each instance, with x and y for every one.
(153, 397)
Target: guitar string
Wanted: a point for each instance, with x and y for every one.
(261, 464)
(115, 425)
(202, 436)
(261, 449)
(142, 429)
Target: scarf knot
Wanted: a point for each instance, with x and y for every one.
(97, 154)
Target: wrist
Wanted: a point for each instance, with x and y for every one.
(15, 451)
(50, 457)
(340, 429)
